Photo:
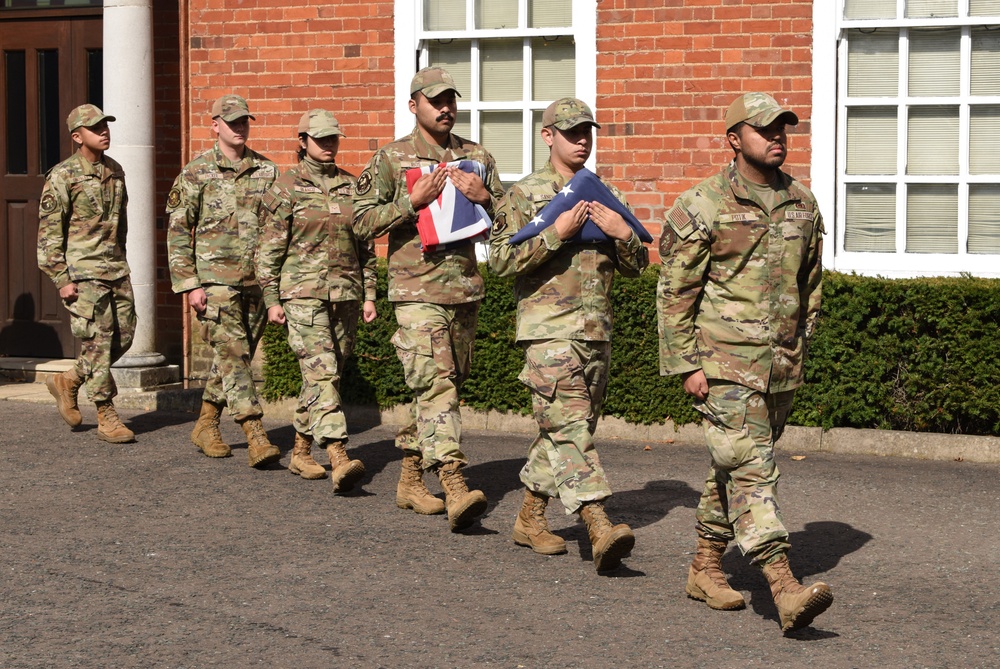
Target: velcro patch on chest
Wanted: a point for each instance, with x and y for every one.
(739, 217)
(794, 215)
(308, 189)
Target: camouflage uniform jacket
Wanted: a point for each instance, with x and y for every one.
(739, 288)
(307, 245)
(382, 204)
(82, 222)
(563, 289)
(213, 228)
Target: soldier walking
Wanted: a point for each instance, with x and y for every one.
(212, 236)
(314, 273)
(738, 299)
(82, 226)
(564, 322)
(436, 293)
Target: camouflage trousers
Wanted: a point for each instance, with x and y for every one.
(232, 324)
(434, 343)
(567, 379)
(740, 499)
(321, 335)
(103, 318)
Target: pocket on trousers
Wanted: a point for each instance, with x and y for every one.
(81, 322)
(540, 383)
(414, 350)
(730, 444)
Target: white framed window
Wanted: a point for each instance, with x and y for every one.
(918, 137)
(510, 60)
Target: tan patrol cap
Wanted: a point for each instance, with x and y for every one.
(432, 82)
(758, 110)
(568, 113)
(231, 107)
(319, 123)
(86, 116)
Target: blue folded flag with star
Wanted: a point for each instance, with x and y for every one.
(584, 186)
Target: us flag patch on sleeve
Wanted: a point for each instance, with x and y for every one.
(680, 220)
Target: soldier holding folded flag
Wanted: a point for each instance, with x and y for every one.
(436, 288)
(563, 292)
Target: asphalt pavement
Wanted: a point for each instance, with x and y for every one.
(152, 555)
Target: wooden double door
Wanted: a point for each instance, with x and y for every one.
(48, 66)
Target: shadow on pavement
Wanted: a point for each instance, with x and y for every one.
(652, 503)
(152, 421)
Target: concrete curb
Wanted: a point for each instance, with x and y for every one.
(796, 440)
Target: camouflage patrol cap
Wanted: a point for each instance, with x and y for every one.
(231, 107)
(319, 123)
(758, 110)
(86, 116)
(433, 81)
(568, 113)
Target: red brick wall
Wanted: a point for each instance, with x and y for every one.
(666, 71)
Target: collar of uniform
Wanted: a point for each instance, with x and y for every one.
(744, 192)
(239, 166)
(550, 173)
(89, 169)
(312, 169)
(426, 150)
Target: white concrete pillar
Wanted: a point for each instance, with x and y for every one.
(128, 96)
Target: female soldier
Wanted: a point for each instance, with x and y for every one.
(313, 273)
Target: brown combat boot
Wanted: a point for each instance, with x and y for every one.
(706, 581)
(344, 472)
(65, 388)
(206, 435)
(411, 493)
(531, 529)
(302, 462)
(260, 451)
(610, 544)
(797, 604)
(110, 427)
(463, 506)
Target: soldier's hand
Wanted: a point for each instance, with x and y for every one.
(696, 384)
(572, 220)
(369, 312)
(610, 221)
(427, 188)
(69, 293)
(276, 315)
(470, 185)
(198, 299)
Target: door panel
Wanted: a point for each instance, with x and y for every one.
(54, 54)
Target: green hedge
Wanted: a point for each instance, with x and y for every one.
(920, 354)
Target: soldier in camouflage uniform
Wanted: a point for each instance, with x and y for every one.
(564, 319)
(82, 226)
(212, 236)
(436, 294)
(738, 298)
(313, 273)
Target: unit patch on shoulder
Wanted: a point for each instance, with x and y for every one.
(174, 198)
(48, 204)
(500, 223)
(364, 183)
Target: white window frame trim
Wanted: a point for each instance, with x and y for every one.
(829, 121)
(407, 25)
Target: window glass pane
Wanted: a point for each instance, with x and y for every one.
(463, 125)
(50, 126)
(553, 68)
(984, 7)
(985, 62)
(934, 61)
(95, 77)
(871, 218)
(550, 13)
(932, 218)
(984, 218)
(500, 133)
(444, 14)
(873, 63)
(540, 150)
(501, 69)
(456, 57)
(871, 140)
(984, 139)
(930, 9)
(932, 141)
(16, 112)
(496, 14)
(870, 9)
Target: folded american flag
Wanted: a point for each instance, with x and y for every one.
(585, 186)
(451, 217)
